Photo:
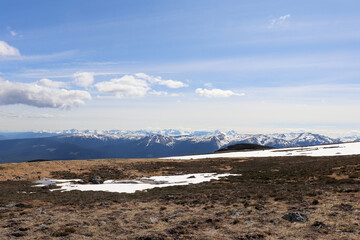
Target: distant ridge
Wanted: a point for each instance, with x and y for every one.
(140, 144)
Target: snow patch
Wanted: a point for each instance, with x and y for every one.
(313, 151)
(131, 186)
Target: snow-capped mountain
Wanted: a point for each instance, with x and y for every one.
(75, 144)
(169, 137)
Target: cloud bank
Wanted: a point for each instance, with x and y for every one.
(43, 94)
(216, 93)
(8, 51)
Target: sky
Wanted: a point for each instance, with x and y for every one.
(251, 66)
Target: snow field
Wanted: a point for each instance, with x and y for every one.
(131, 186)
(340, 149)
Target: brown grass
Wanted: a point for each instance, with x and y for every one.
(246, 207)
(31, 171)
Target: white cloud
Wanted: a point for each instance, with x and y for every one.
(50, 83)
(8, 51)
(127, 86)
(83, 79)
(137, 85)
(172, 83)
(283, 18)
(216, 93)
(12, 32)
(279, 21)
(43, 94)
(160, 81)
(158, 93)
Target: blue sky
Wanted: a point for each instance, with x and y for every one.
(252, 66)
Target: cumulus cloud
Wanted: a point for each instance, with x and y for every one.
(43, 94)
(126, 86)
(280, 20)
(83, 79)
(8, 51)
(160, 81)
(216, 93)
(137, 85)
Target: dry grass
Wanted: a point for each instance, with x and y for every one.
(246, 207)
(31, 171)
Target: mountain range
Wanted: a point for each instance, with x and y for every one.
(75, 144)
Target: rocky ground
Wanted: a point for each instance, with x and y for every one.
(275, 198)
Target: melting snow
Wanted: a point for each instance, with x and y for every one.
(131, 186)
(314, 151)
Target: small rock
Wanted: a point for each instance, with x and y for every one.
(153, 220)
(295, 217)
(43, 225)
(247, 222)
(192, 176)
(169, 197)
(101, 223)
(18, 177)
(96, 180)
(236, 213)
(82, 181)
(12, 204)
(23, 229)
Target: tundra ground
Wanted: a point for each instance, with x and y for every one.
(250, 206)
